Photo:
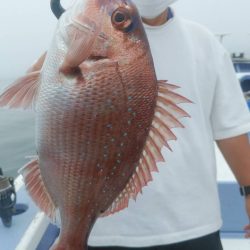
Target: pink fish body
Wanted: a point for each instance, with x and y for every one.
(101, 117)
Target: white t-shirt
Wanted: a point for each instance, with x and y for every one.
(182, 201)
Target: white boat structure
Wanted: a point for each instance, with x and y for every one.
(242, 68)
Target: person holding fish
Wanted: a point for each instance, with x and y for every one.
(107, 112)
(180, 209)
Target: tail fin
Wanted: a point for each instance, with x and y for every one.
(66, 245)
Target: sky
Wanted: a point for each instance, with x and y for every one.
(27, 27)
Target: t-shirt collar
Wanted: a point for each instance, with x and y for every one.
(171, 18)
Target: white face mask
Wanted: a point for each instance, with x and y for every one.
(152, 8)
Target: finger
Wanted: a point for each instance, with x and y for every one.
(247, 230)
(247, 235)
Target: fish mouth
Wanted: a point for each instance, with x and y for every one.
(85, 34)
(95, 62)
(95, 58)
(92, 63)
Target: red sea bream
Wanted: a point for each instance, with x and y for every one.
(102, 117)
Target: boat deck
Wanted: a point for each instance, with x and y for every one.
(32, 229)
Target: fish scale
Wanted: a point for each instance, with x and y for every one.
(63, 132)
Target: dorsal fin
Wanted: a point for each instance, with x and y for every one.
(22, 93)
(37, 190)
(167, 115)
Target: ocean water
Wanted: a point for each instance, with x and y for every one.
(16, 138)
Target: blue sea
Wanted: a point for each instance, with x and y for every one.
(16, 138)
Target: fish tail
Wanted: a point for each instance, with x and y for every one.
(74, 232)
(62, 245)
(71, 240)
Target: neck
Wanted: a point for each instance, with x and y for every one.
(157, 21)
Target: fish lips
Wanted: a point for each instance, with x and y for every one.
(82, 39)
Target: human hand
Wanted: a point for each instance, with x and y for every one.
(247, 227)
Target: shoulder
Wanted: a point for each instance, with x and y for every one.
(202, 37)
(196, 28)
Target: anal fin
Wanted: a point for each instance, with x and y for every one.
(36, 188)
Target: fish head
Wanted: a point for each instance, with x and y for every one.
(103, 29)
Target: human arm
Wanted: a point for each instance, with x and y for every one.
(236, 151)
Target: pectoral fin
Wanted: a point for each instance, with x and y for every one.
(22, 93)
(37, 66)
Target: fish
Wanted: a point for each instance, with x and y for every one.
(102, 117)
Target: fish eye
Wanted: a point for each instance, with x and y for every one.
(121, 19)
